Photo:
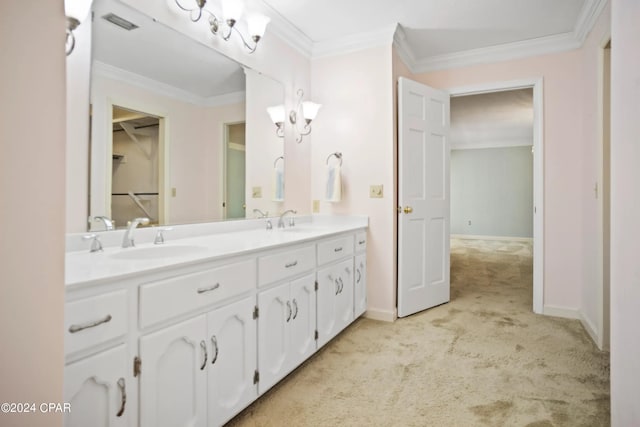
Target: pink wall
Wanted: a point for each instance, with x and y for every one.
(32, 206)
(625, 211)
(355, 91)
(569, 165)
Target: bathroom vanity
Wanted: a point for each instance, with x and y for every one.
(190, 332)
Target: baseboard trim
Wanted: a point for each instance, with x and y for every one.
(588, 326)
(567, 313)
(479, 237)
(383, 315)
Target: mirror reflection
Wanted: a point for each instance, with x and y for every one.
(179, 132)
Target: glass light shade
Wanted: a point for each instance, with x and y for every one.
(257, 25)
(276, 113)
(310, 110)
(232, 9)
(78, 9)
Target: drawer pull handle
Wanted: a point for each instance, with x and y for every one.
(295, 306)
(362, 242)
(341, 285)
(338, 249)
(208, 289)
(291, 264)
(337, 286)
(289, 311)
(77, 328)
(358, 275)
(214, 342)
(203, 346)
(123, 396)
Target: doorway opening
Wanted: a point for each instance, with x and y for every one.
(136, 173)
(234, 205)
(537, 200)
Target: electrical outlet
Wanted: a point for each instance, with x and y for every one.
(375, 191)
(173, 191)
(316, 206)
(256, 192)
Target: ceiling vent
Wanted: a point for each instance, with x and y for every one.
(120, 21)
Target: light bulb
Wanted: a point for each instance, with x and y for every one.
(77, 9)
(310, 110)
(257, 25)
(276, 113)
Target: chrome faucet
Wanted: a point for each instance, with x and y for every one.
(292, 221)
(108, 222)
(128, 235)
(262, 214)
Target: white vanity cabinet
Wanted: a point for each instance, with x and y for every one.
(96, 387)
(335, 287)
(286, 329)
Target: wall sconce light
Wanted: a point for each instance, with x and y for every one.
(76, 11)
(308, 110)
(231, 13)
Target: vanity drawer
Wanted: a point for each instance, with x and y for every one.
(361, 241)
(335, 249)
(94, 320)
(285, 264)
(171, 297)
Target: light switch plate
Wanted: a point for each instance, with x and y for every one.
(316, 206)
(376, 191)
(256, 192)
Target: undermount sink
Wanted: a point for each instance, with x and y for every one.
(158, 251)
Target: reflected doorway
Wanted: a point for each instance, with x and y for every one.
(137, 142)
(235, 171)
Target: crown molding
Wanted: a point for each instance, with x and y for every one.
(403, 49)
(504, 52)
(587, 18)
(355, 42)
(286, 31)
(102, 69)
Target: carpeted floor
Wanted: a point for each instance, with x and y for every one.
(484, 359)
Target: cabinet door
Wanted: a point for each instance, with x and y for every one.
(233, 358)
(328, 287)
(173, 382)
(273, 335)
(360, 286)
(344, 303)
(96, 388)
(303, 319)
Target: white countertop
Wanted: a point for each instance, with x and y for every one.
(223, 240)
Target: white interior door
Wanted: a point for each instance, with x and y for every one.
(423, 197)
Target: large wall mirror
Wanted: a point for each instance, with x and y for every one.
(179, 132)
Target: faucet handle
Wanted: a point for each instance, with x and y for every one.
(160, 236)
(269, 225)
(96, 245)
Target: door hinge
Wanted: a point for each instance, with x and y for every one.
(256, 312)
(137, 366)
(316, 286)
(256, 377)
(315, 336)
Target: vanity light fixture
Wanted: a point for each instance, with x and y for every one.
(76, 11)
(231, 13)
(307, 110)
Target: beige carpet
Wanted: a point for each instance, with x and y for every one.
(484, 359)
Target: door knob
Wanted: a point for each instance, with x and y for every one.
(408, 209)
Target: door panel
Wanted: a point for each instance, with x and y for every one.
(423, 223)
(273, 335)
(360, 285)
(303, 320)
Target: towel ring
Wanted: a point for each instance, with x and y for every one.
(337, 155)
(275, 162)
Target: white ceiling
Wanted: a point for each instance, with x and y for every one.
(498, 119)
